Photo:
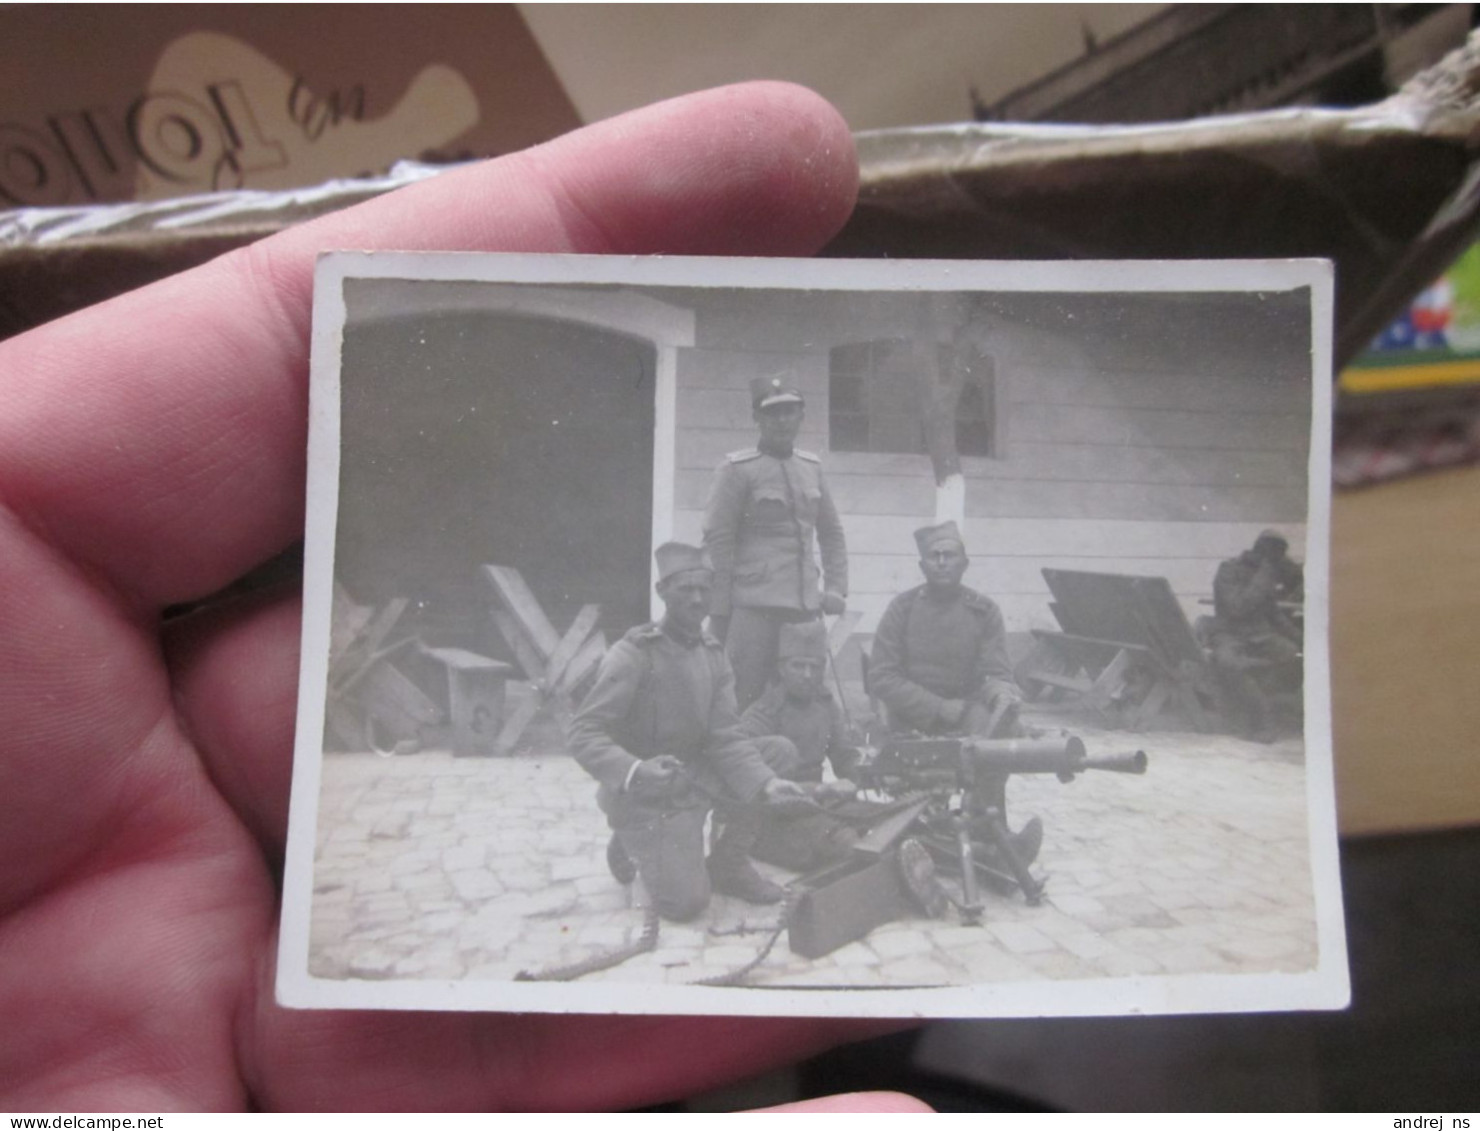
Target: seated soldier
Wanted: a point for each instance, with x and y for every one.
(797, 706)
(659, 731)
(940, 663)
(1255, 645)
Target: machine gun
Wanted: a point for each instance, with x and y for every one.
(963, 782)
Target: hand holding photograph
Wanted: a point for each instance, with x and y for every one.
(808, 637)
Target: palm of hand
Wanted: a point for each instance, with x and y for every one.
(151, 450)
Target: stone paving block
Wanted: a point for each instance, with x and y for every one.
(523, 878)
(429, 884)
(897, 941)
(1193, 960)
(1076, 905)
(1122, 964)
(1058, 965)
(462, 857)
(918, 970)
(392, 826)
(1085, 945)
(373, 964)
(1055, 924)
(853, 954)
(414, 860)
(728, 956)
(600, 937)
(552, 903)
(1175, 898)
(475, 884)
(493, 972)
(571, 868)
(1255, 946)
(989, 962)
(1020, 938)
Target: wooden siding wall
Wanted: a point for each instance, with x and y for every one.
(1146, 445)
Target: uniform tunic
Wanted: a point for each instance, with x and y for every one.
(929, 652)
(657, 694)
(766, 517)
(813, 731)
(815, 728)
(768, 514)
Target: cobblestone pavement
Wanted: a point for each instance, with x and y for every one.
(431, 867)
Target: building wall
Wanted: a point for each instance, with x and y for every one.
(1157, 439)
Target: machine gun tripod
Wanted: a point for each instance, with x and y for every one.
(963, 820)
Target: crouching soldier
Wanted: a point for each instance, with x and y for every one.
(660, 733)
(798, 707)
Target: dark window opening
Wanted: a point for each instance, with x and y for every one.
(874, 405)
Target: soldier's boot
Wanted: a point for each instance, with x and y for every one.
(730, 870)
(1027, 841)
(917, 870)
(623, 867)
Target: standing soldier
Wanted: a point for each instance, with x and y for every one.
(769, 507)
(660, 732)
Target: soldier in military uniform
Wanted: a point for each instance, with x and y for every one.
(1255, 645)
(660, 732)
(768, 513)
(798, 707)
(940, 662)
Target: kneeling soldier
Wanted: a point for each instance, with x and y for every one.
(799, 708)
(659, 731)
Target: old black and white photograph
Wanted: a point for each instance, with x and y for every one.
(815, 637)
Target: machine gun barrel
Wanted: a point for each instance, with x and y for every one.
(1062, 756)
(924, 761)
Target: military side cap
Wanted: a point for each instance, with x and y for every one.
(1272, 536)
(807, 638)
(676, 557)
(928, 536)
(774, 390)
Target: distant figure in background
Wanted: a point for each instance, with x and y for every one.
(768, 513)
(940, 662)
(1255, 644)
(799, 708)
(660, 733)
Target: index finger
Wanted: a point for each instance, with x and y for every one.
(158, 439)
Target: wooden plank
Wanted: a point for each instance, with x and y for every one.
(348, 682)
(583, 664)
(1069, 683)
(1167, 622)
(347, 621)
(520, 601)
(460, 659)
(524, 651)
(1110, 682)
(570, 643)
(361, 654)
(516, 722)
